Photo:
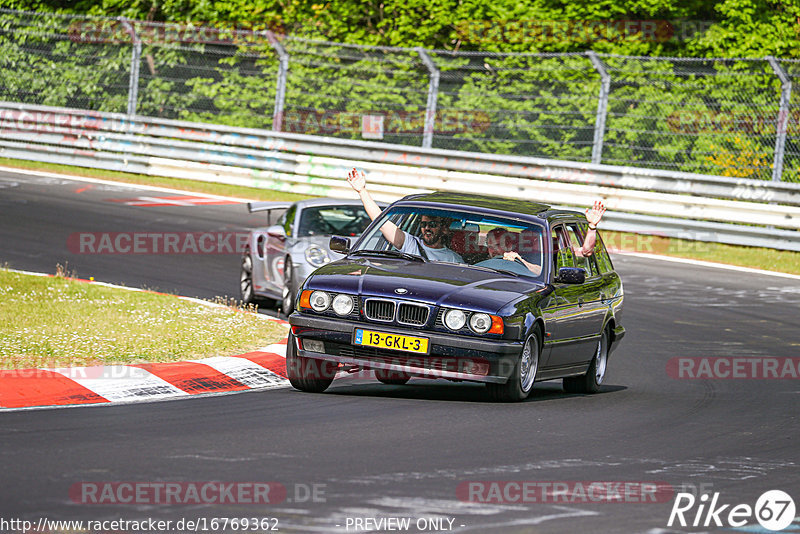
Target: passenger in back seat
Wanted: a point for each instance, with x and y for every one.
(500, 243)
(467, 244)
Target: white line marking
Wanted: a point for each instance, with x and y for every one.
(709, 264)
(568, 513)
(147, 201)
(111, 182)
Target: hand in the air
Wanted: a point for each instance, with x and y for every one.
(357, 180)
(595, 213)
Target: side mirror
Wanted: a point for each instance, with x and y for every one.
(277, 231)
(571, 275)
(339, 244)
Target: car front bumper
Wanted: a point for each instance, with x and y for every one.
(449, 356)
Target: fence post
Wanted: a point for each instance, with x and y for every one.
(602, 106)
(433, 94)
(280, 93)
(783, 117)
(136, 56)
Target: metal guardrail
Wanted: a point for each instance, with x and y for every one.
(699, 207)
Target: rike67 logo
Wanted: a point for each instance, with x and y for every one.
(774, 510)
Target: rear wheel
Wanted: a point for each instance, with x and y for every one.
(307, 374)
(521, 381)
(391, 378)
(246, 279)
(593, 379)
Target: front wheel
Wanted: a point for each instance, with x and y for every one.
(287, 300)
(391, 378)
(523, 376)
(593, 379)
(307, 374)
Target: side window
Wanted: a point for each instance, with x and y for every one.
(376, 241)
(587, 263)
(600, 253)
(563, 256)
(575, 242)
(287, 220)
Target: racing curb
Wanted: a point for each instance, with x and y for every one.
(119, 384)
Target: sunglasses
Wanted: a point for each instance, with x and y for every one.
(429, 224)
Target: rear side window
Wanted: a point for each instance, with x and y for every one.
(562, 248)
(288, 220)
(585, 263)
(600, 253)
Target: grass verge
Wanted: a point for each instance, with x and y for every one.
(757, 258)
(60, 322)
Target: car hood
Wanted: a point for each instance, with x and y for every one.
(442, 284)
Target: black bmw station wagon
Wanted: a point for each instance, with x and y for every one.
(550, 313)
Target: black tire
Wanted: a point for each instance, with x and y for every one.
(289, 290)
(593, 379)
(522, 378)
(308, 374)
(391, 378)
(246, 292)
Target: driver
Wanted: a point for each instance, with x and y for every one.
(433, 230)
(498, 241)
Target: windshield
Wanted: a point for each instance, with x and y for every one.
(333, 220)
(464, 238)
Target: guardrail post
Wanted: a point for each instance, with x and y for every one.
(602, 106)
(136, 56)
(783, 117)
(283, 70)
(433, 94)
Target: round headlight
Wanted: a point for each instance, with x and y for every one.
(480, 323)
(317, 256)
(320, 301)
(343, 304)
(455, 319)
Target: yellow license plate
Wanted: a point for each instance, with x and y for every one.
(383, 340)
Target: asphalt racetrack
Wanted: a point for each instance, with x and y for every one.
(366, 451)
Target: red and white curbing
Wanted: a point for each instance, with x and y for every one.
(29, 388)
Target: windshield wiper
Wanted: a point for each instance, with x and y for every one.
(504, 271)
(390, 253)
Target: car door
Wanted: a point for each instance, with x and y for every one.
(571, 312)
(611, 292)
(592, 301)
(276, 247)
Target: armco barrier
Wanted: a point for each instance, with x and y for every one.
(706, 208)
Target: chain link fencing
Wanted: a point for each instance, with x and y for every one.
(730, 117)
